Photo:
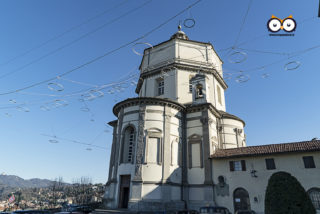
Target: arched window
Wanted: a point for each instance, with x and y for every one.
(127, 152)
(199, 91)
(241, 199)
(314, 194)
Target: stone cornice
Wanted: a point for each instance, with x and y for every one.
(113, 123)
(189, 41)
(203, 106)
(182, 66)
(231, 116)
(146, 101)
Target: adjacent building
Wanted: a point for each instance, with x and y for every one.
(175, 146)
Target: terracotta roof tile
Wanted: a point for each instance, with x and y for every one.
(305, 146)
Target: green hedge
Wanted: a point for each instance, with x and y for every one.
(285, 194)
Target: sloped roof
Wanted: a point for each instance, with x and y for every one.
(304, 146)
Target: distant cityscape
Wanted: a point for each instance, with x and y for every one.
(19, 194)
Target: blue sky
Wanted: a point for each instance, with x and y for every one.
(41, 40)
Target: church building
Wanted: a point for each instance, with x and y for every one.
(175, 146)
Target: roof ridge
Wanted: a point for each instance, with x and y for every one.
(318, 141)
(301, 146)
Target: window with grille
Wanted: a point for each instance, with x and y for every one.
(314, 195)
(131, 138)
(308, 162)
(190, 86)
(160, 86)
(127, 149)
(270, 164)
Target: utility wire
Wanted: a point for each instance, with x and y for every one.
(262, 51)
(105, 54)
(243, 22)
(75, 141)
(76, 40)
(63, 33)
(294, 54)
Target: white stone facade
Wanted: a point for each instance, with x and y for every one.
(164, 138)
(255, 178)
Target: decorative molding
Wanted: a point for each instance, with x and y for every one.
(154, 111)
(205, 120)
(131, 112)
(195, 137)
(181, 64)
(145, 101)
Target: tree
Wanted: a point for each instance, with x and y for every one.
(82, 190)
(56, 187)
(18, 198)
(285, 194)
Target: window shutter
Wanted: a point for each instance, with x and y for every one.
(243, 165)
(231, 165)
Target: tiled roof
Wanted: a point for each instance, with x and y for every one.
(305, 146)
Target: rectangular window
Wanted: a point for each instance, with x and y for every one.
(190, 86)
(160, 87)
(308, 162)
(238, 165)
(219, 94)
(270, 164)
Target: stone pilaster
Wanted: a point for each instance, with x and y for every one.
(118, 144)
(166, 144)
(137, 179)
(183, 161)
(140, 144)
(206, 147)
(166, 191)
(112, 155)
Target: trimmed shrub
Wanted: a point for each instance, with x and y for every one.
(285, 194)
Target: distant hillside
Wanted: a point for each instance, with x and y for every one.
(14, 181)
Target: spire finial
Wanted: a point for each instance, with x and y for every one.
(179, 27)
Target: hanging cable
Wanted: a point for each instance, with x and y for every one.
(105, 54)
(242, 24)
(75, 141)
(74, 41)
(63, 33)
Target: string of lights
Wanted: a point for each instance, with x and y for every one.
(105, 54)
(56, 138)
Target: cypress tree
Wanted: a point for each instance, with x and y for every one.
(285, 194)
